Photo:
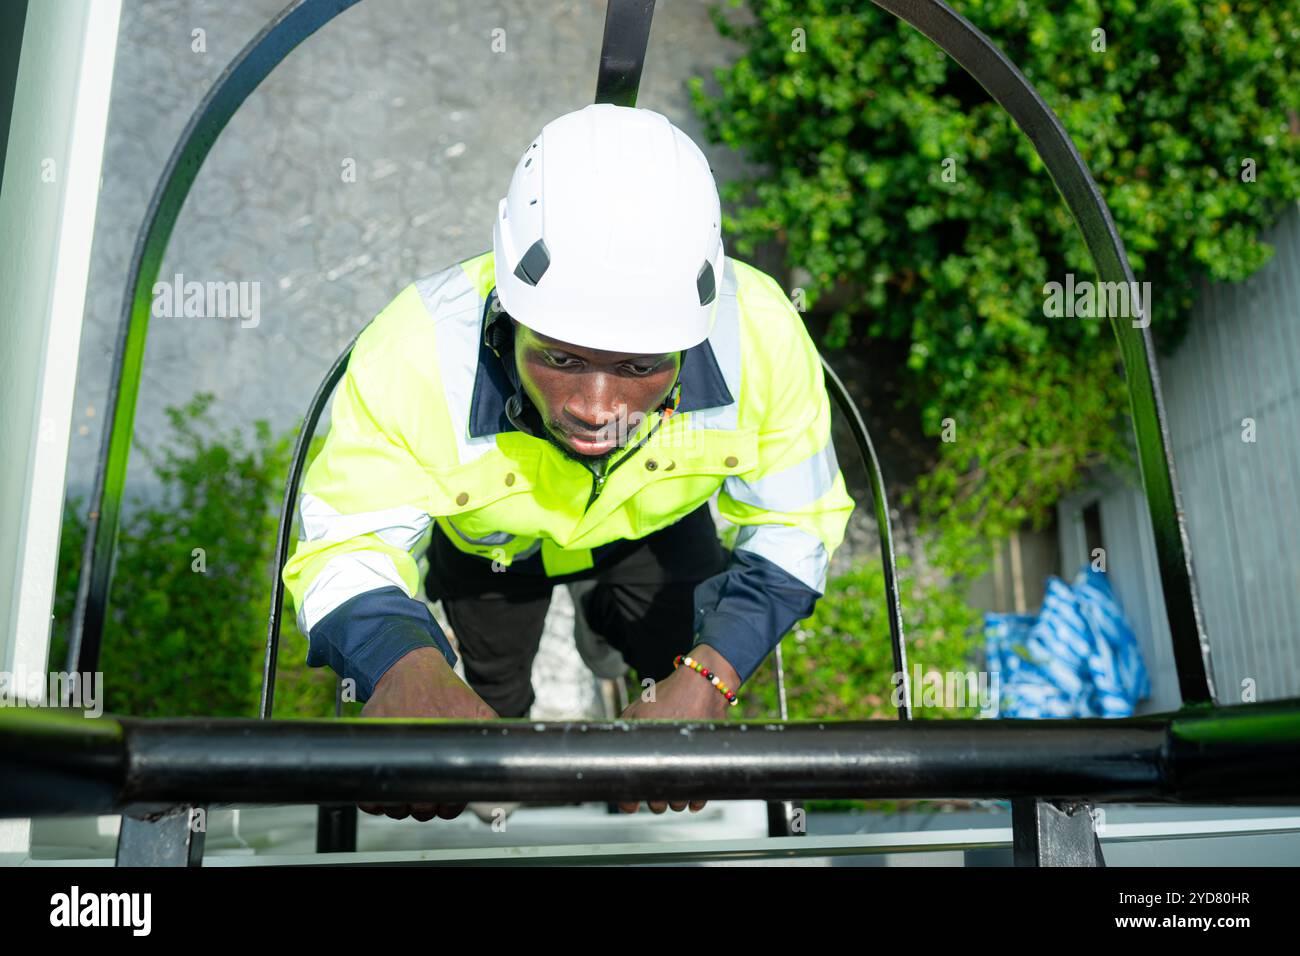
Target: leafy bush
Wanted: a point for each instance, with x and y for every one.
(839, 664)
(186, 630)
(1026, 433)
(856, 117)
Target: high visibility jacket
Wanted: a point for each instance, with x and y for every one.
(419, 434)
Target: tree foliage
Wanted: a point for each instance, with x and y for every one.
(894, 179)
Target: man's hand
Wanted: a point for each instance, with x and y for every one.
(685, 695)
(422, 684)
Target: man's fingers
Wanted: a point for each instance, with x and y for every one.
(661, 806)
(449, 811)
(423, 812)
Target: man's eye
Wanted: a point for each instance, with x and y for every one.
(642, 369)
(556, 360)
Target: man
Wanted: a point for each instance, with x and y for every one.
(562, 409)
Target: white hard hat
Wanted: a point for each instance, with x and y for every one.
(610, 236)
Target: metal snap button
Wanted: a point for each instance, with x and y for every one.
(462, 498)
(651, 465)
(510, 478)
(671, 466)
(730, 461)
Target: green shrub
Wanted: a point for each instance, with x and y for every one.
(839, 664)
(186, 630)
(1025, 434)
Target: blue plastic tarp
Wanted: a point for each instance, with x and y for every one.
(1077, 657)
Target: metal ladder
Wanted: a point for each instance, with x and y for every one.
(1044, 825)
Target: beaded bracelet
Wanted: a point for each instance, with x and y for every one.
(708, 675)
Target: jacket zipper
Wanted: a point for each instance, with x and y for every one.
(597, 483)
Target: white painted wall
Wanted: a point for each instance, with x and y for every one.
(47, 213)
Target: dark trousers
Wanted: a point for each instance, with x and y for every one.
(643, 604)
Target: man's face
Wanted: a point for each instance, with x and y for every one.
(591, 400)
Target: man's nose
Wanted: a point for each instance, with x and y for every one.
(595, 405)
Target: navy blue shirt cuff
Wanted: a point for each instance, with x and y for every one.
(744, 612)
(367, 634)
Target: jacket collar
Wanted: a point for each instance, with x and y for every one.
(703, 385)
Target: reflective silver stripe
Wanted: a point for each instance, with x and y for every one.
(345, 577)
(401, 526)
(791, 489)
(496, 537)
(793, 550)
(724, 339)
(457, 312)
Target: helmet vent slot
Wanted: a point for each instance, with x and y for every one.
(704, 284)
(534, 263)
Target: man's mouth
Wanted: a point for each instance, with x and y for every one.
(589, 445)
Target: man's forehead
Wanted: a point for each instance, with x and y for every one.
(547, 342)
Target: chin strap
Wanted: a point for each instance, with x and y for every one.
(498, 335)
(669, 405)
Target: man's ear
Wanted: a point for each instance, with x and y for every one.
(498, 336)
